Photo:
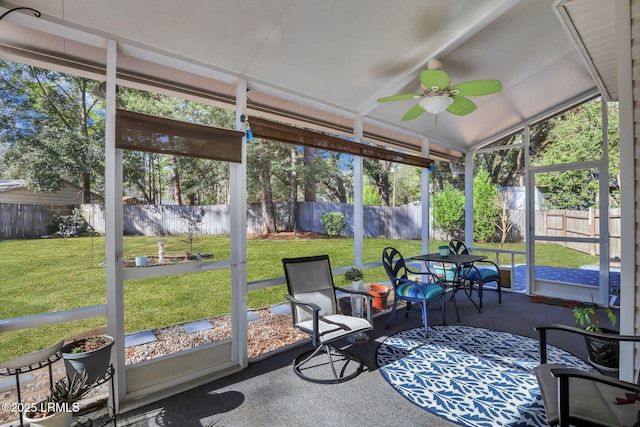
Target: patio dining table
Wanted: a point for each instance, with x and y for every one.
(456, 282)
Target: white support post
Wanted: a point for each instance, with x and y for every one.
(238, 208)
(358, 209)
(113, 229)
(468, 195)
(628, 184)
(424, 196)
(530, 243)
(603, 207)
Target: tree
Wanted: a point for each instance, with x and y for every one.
(448, 210)
(53, 131)
(485, 209)
(370, 196)
(378, 171)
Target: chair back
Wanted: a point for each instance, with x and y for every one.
(458, 247)
(394, 265)
(309, 279)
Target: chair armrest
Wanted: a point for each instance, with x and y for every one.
(542, 330)
(591, 376)
(364, 293)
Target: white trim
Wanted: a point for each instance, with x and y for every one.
(628, 221)
(425, 194)
(238, 209)
(358, 203)
(468, 194)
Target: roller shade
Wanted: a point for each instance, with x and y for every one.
(143, 132)
(268, 129)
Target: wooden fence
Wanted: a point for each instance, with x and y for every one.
(27, 221)
(20, 221)
(571, 223)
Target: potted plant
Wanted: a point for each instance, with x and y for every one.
(91, 354)
(58, 408)
(355, 276)
(603, 353)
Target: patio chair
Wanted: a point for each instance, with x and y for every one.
(477, 274)
(312, 295)
(578, 397)
(422, 293)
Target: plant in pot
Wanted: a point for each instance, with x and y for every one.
(603, 353)
(91, 354)
(355, 276)
(57, 410)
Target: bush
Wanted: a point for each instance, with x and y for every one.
(448, 210)
(334, 223)
(486, 212)
(71, 225)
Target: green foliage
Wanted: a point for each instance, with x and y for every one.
(354, 274)
(73, 225)
(587, 316)
(485, 210)
(448, 210)
(370, 196)
(334, 223)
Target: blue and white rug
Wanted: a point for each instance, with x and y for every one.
(470, 376)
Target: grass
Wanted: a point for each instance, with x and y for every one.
(48, 275)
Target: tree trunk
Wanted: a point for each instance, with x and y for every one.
(177, 190)
(293, 193)
(86, 188)
(310, 182)
(266, 197)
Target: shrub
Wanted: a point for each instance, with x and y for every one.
(486, 212)
(71, 225)
(334, 223)
(448, 210)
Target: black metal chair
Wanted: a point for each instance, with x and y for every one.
(577, 397)
(404, 289)
(477, 274)
(312, 295)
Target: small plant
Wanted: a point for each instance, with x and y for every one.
(89, 344)
(62, 396)
(334, 223)
(70, 225)
(194, 223)
(354, 275)
(587, 316)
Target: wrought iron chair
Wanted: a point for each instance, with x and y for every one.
(422, 293)
(477, 274)
(312, 295)
(578, 397)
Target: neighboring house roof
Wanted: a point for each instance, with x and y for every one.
(18, 191)
(11, 184)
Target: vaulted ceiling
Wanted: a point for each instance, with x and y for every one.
(324, 61)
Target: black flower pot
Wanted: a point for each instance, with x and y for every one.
(603, 353)
(95, 362)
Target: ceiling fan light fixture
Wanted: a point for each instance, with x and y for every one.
(436, 104)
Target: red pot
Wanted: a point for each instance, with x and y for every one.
(380, 294)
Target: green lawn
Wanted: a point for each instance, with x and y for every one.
(47, 275)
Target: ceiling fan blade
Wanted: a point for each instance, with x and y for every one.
(413, 113)
(401, 97)
(461, 106)
(477, 87)
(431, 78)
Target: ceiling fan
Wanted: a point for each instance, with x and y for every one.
(438, 96)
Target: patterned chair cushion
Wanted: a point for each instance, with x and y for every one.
(486, 274)
(413, 290)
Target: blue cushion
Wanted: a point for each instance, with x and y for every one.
(486, 274)
(412, 290)
(447, 273)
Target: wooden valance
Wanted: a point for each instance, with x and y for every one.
(268, 129)
(143, 132)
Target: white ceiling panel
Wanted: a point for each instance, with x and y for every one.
(335, 58)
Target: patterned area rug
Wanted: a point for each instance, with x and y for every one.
(470, 376)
